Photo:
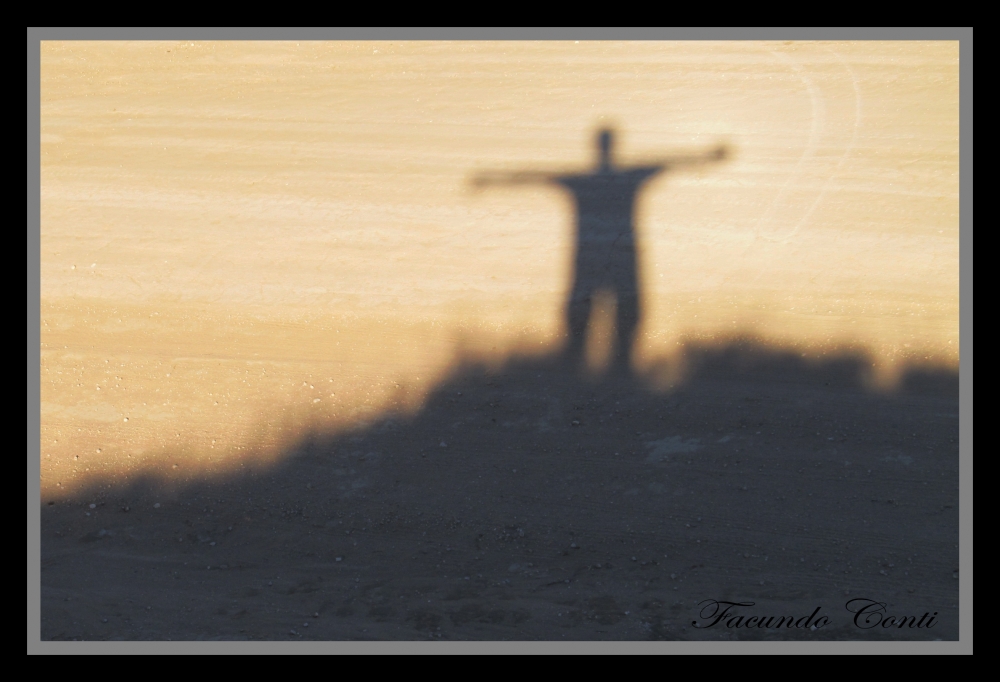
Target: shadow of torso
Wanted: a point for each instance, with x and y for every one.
(605, 250)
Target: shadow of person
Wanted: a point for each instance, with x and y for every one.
(605, 251)
(521, 502)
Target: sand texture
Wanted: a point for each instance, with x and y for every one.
(369, 341)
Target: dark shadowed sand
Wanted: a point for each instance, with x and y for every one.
(533, 503)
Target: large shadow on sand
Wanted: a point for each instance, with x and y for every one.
(535, 501)
(531, 502)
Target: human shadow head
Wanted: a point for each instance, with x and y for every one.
(605, 146)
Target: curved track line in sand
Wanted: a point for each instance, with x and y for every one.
(818, 123)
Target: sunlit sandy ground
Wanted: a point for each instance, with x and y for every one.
(248, 244)
(240, 239)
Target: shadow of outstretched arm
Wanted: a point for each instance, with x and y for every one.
(496, 178)
(718, 153)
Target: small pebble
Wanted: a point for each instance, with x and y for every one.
(156, 506)
(93, 506)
